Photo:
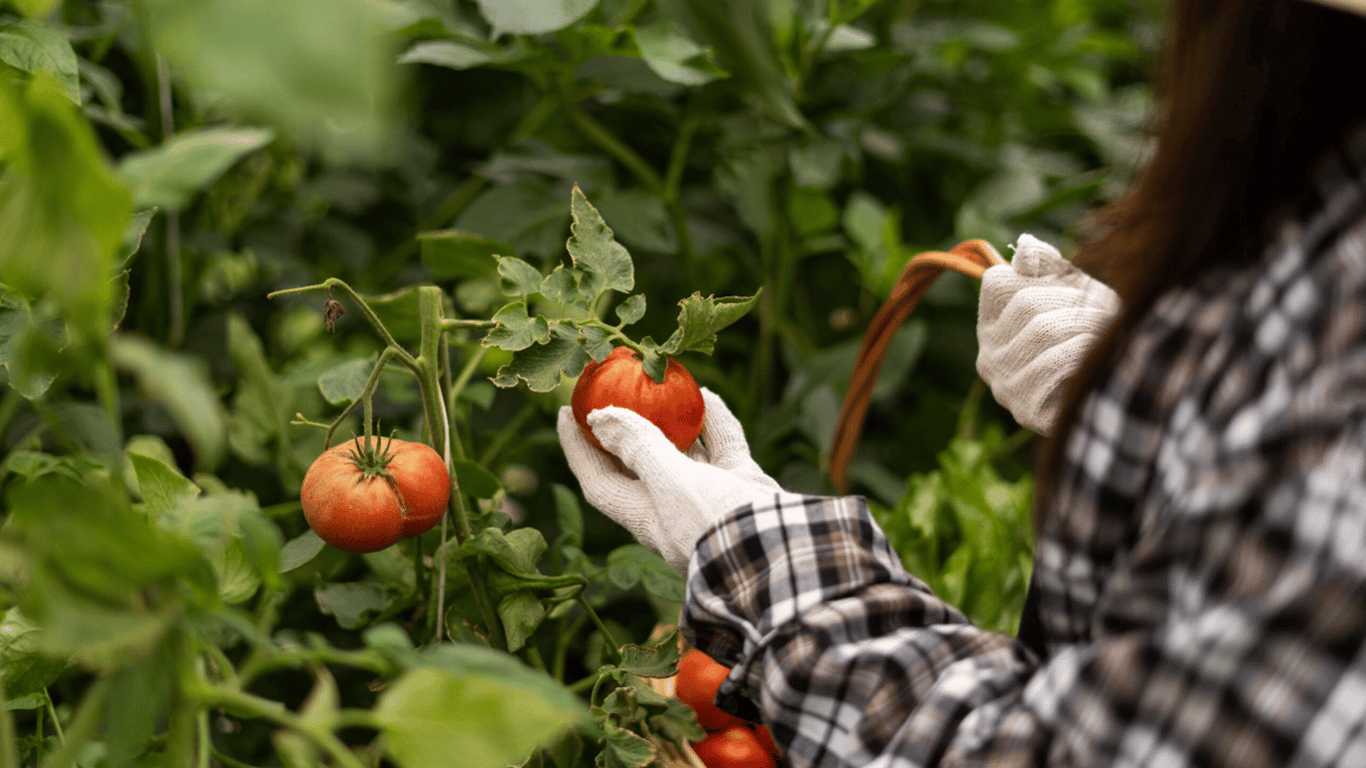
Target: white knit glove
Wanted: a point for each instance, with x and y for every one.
(1038, 317)
(673, 497)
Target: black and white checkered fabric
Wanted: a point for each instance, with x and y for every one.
(1201, 582)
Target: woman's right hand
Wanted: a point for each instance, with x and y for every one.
(1038, 317)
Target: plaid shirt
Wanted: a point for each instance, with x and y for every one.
(1201, 582)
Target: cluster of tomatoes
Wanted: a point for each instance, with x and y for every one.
(730, 742)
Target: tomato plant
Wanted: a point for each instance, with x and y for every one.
(364, 495)
(734, 747)
(396, 175)
(699, 677)
(674, 405)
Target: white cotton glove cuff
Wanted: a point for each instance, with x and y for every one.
(1037, 319)
(673, 497)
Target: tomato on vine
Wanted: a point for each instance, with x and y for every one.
(735, 747)
(699, 676)
(362, 497)
(675, 406)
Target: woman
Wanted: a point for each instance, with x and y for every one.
(1199, 591)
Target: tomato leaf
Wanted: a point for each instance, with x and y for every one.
(430, 714)
(32, 45)
(521, 613)
(162, 487)
(351, 602)
(181, 384)
(454, 255)
(632, 564)
(605, 264)
(300, 550)
(472, 478)
(699, 320)
(519, 277)
(562, 285)
(516, 330)
(623, 748)
(544, 365)
(631, 310)
(62, 211)
(167, 176)
(346, 382)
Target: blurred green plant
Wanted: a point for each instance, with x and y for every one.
(165, 165)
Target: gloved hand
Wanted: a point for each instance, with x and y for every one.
(1038, 317)
(672, 497)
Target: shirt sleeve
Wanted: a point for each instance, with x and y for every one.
(1254, 655)
(850, 659)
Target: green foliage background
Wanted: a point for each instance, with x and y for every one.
(164, 164)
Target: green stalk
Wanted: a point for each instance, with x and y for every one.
(82, 725)
(182, 712)
(429, 384)
(9, 744)
(606, 634)
(215, 696)
(335, 283)
(371, 384)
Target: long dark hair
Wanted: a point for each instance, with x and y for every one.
(1251, 93)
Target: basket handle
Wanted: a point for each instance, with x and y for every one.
(971, 258)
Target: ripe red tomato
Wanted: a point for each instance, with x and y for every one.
(363, 501)
(675, 406)
(698, 678)
(735, 747)
(766, 738)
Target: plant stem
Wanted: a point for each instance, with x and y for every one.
(336, 283)
(182, 712)
(52, 712)
(615, 147)
(229, 762)
(371, 384)
(9, 744)
(606, 634)
(82, 725)
(274, 711)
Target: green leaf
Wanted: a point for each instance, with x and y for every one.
(62, 212)
(597, 342)
(568, 514)
(623, 748)
(515, 330)
(36, 46)
(472, 478)
(658, 659)
(101, 580)
(142, 689)
(347, 381)
(700, 319)
(562, 285)
(132, 236)
(351, 602)
(520, 278)
(605, 264)
(322, 69)
(429, 714)
(35, 7)
(631, 310)
(515, 552)
(632, 564)
(533, 17)
(180, 383)
(29, 346)
(545, 365)
(454, 255)
(26, 669)
(168, 175)
(300, 550)
(673, 55)
(162, 487)
(521, 613)
(454, 54)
